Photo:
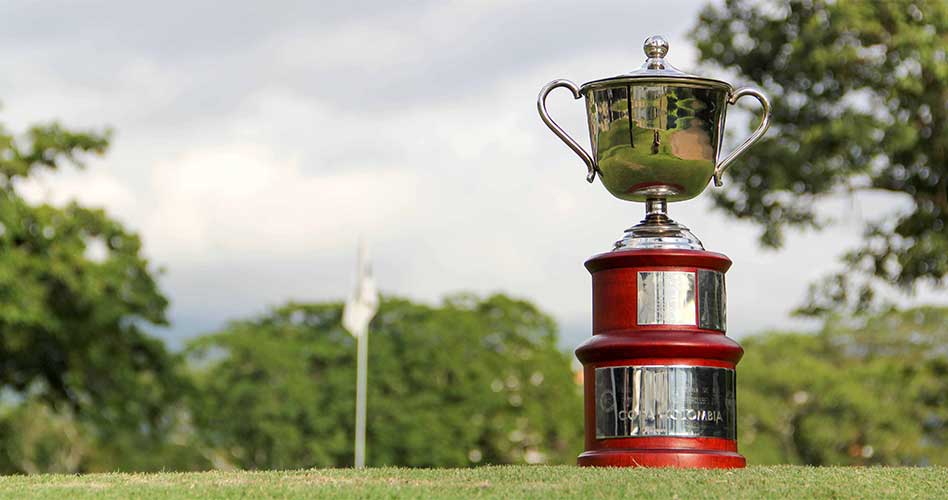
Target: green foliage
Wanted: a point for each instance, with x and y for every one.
(472, 381)
(859, 92)
(75, 296)
(46, 146)
(39, 439)
(872, 391)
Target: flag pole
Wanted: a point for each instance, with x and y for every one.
(361, 376)
(356, 316)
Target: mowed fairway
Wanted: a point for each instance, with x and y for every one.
(497, 482)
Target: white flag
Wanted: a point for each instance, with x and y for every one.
(362, 305)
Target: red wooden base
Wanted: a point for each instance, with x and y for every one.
(692, 459)
(619, 341)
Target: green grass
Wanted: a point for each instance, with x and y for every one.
(497, 482)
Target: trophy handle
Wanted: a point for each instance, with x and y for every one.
(545, 116)
(761, 129)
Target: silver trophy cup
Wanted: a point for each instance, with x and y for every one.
(656, 134)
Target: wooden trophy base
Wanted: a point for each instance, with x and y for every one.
(659, 379)
(663, 458)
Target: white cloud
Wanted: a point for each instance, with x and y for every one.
(251, 173)
(91, 187)
(238, 199)
(359, 46)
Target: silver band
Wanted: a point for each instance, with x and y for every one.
(712, 300)
(666, 298)
(674, 401)
(669, 298)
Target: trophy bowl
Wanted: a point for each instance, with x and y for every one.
(656, 133)
(655, 139)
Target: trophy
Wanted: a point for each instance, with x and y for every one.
(659, 371)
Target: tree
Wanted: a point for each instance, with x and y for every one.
(75, 298)
(471, 381)
(859, 90)
(863, 391)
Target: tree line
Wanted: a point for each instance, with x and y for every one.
(472, 380)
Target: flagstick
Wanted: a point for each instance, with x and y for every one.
(363, 348)
(356, 316)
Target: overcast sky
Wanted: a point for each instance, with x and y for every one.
(256, 140)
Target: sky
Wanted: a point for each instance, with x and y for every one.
(255, 142)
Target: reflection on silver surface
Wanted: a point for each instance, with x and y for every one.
(666, 298)
(656, 131)
(658, 231)
(654, 140)
(712, 300)
(684, 401)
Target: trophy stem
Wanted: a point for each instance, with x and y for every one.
(656, 209)
(657, 230)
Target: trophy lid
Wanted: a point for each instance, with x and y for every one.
(656, 69)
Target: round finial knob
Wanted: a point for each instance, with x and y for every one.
(656, 47)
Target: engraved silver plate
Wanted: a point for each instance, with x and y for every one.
(712, 300)
(666, 298)
(678, 401)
